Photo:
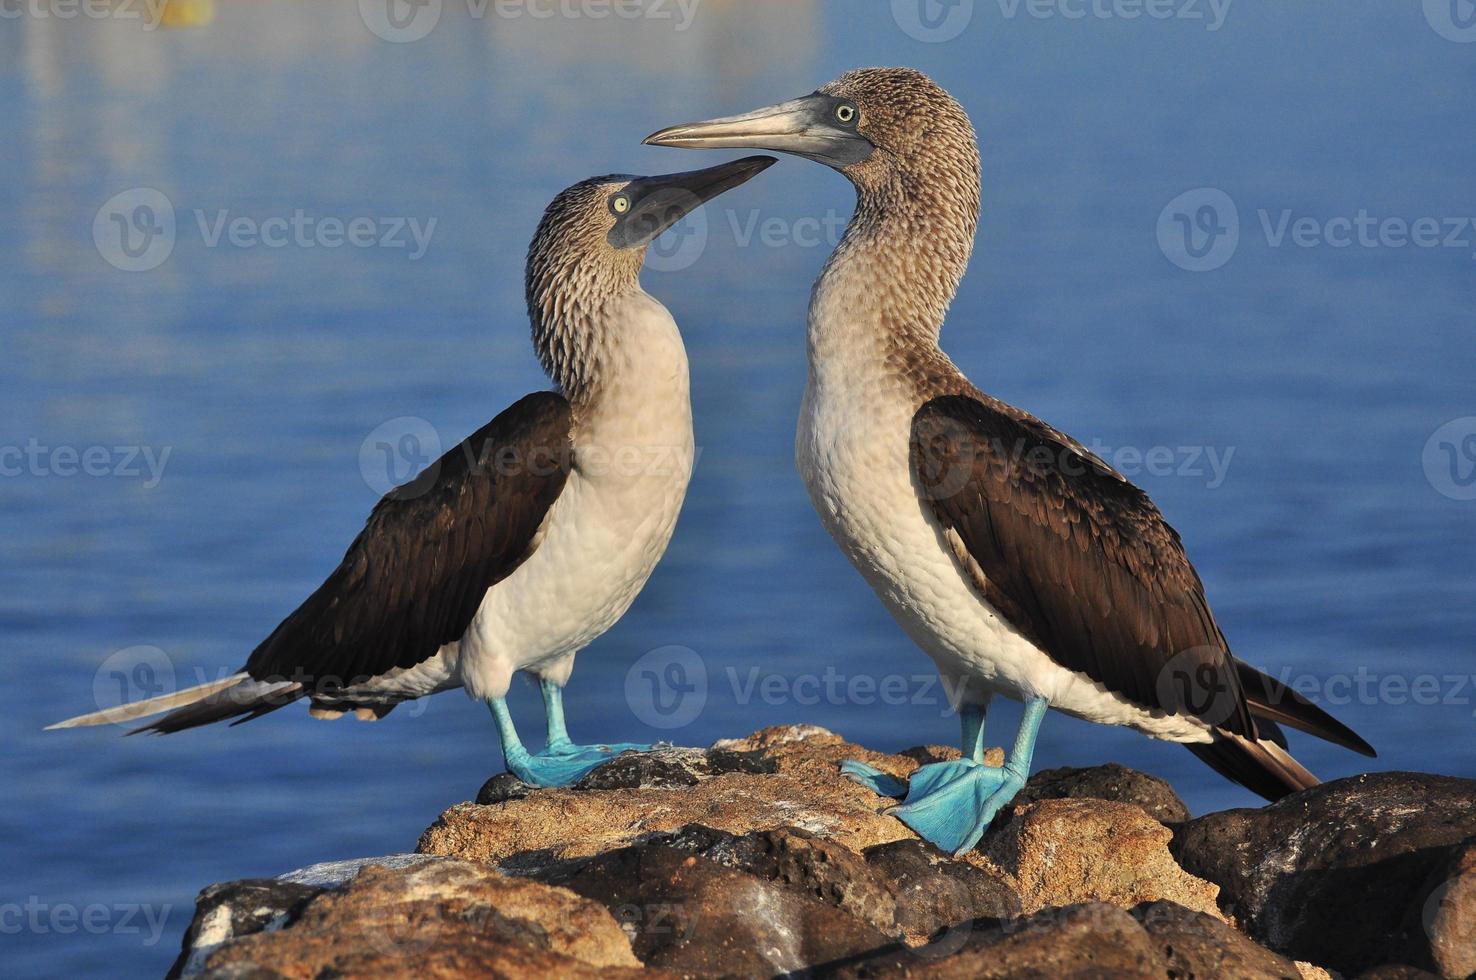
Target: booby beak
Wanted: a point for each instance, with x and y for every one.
(817, 127)
(654, 204)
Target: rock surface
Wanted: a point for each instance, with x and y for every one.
(755, 858)
(1346, 874)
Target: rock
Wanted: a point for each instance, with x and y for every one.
(336, 874)
(1396, 972)
(1110, 782)
(800, 861)
(664, 768)
(694, 916)
(232, 909)
(787, 782)
(441, 919)
(1084, 941)
(1448, 913)
(1194, 944)
(1065, 852)
(504, 787)
(1341, 874)
(932, 892)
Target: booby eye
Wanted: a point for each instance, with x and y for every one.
(620, 204)
(845, 113)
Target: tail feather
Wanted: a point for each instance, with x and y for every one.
(1260, 765)
(243, 701)
(152, 706)
(1272, 700)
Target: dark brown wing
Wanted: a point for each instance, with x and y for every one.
(1077, 558)
(414, 577)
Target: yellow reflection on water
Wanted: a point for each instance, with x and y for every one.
(187, 13)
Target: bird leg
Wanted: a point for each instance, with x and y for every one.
(950, 804)
(561, 762)
(971, 720)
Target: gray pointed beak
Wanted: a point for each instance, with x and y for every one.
(657, 203)
(807, 127)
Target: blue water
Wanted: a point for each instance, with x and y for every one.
(1336, 543)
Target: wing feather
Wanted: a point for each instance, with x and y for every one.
(415, 576)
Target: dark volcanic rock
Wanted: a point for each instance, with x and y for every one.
(1341, 874)
(802, 862)
(1083, 941)
(503, 787)
(1110, 782)
(663, 768)
(1193, 944)
(233, 909)
(689, 914)
(933, 892)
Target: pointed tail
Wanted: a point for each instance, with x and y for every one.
(229, 697)
(1263, 765)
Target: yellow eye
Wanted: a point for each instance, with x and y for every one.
(620, 204)
(845, 113)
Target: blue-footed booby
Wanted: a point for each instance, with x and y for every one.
(1019, 561)
(529, 539)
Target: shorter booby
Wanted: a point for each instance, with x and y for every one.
(531, 538)
(1018, 560)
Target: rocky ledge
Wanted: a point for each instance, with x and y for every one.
(754, 858)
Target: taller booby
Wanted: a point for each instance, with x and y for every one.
(531, 538)
(1018, 560)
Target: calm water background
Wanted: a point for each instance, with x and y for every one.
(1323, 371)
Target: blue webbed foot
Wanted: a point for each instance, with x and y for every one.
(880, 783)
(565, 762)
(950, 804)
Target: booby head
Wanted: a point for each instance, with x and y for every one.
(590, 247)
(871, 124)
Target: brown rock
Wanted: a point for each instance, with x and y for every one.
(1110, 782)
(691, 915)
(442, 919)
(1340, 874)
(1064, 852)
(1448, 914)
(1193, 944)
(1095, 941)
(566, 823)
